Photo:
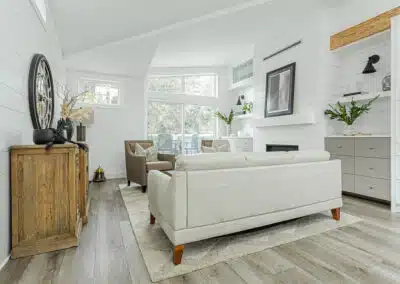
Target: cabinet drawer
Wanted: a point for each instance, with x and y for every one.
(347, 163)
(373, 167)
(373, 187)
(348, 183)
(373, 147)
(340, 146)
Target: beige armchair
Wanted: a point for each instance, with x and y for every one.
(137, 167)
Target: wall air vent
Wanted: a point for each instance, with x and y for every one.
(242, 72)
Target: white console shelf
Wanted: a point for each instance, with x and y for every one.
(365, 97)
(285, 120)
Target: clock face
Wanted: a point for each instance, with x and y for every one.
(41, 93)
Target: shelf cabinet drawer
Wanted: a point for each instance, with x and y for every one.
(348, 183)
(340, 146)
(373, 167)
(347, 163)
(373, 187)
(373, 147)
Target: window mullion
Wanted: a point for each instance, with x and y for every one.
(183, 85)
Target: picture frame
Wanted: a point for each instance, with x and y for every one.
(279, 91)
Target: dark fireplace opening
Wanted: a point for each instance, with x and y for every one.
(281, 148)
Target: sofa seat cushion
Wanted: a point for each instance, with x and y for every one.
(159, 165)
(283, 158)
(212, 161)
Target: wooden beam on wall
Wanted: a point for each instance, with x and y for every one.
(366, 29)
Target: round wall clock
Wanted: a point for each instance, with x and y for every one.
(41, 93)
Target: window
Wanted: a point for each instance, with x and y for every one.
(40, 7)
(193, 85)
(179, 128)
(100, 92)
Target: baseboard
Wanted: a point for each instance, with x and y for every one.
(4, 262)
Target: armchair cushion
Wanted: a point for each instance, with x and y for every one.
(160, 166)
(150, 153)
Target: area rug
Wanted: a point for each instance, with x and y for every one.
(157, 249)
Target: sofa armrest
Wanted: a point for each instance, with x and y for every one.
(167, 157)
(159, 190)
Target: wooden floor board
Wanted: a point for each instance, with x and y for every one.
(364, 252)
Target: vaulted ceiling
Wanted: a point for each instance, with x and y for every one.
(85, 24)
(129, 36)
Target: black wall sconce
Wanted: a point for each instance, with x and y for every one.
(239, 101)
(370, 64)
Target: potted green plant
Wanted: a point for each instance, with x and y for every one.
(348, 113)
(247, 108)
(228, 119)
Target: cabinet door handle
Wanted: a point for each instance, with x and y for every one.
(371, 169)
(371, 187)
(340, 146)
(371, 148)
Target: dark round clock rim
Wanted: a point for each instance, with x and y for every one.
(32, 90)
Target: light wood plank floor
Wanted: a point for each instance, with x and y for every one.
(365, 252)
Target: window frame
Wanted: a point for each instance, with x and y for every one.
(100, 82)
(215, 77)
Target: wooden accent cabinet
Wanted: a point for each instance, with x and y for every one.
(84, 184)
(48, 196)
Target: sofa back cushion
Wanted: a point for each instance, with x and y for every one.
(282, 158)
(212, 161)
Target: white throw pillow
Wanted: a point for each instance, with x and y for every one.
(150, 153)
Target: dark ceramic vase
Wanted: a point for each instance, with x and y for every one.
(69, 127)
(66, 125)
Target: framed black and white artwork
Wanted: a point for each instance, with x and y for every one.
(279, 94)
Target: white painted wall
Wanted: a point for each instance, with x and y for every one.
(347, 66)
(310, 82)
(348, 63)
(114, 124)
(22, 35)
(314, 87)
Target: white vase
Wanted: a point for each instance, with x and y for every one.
(228, 130)
(349, 130)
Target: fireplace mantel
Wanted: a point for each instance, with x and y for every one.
(285, 120)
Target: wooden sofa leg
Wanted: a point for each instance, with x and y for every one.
(336, 214)
(129, 183)
(178, 252)
(152, 219)
(144, 188)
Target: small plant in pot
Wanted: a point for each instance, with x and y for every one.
(247, 108)
(348, 113)
(228, 119)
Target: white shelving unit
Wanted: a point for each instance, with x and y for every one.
(365, 97)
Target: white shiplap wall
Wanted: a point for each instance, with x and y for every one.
(348, 64)
(22, 35)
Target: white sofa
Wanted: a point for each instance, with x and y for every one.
(217, 194)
